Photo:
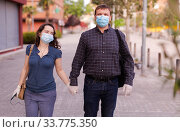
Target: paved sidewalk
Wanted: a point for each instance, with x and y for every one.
(149, 98)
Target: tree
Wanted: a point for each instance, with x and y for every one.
(125, 9)
(171, 17)
(45, 4)
(29, 10)
(74, 10)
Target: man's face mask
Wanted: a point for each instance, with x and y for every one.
(102, 20)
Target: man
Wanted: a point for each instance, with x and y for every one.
(98, 53)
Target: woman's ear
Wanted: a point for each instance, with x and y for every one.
(39, 34)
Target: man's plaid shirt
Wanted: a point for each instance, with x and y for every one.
(98, 53)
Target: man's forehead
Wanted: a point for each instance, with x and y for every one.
(103, 10)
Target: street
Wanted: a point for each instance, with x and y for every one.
(149, 97)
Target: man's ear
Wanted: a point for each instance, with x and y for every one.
(95, 17)
(110, 18)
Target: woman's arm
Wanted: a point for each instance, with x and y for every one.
(24, 71)
(60, 71)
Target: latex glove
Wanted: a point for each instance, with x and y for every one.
(16, 91)
(72, 89)
(127, 89)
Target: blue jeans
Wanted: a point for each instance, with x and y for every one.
(39, 103)
(94, 91)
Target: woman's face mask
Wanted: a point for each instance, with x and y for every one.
(47, 38)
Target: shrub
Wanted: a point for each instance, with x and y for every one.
(29, 37)
(58, 34)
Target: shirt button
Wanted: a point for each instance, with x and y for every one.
(103, 52)
(104, 43)
(102, 70)
(102, 61)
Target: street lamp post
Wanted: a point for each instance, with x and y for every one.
(143, 53)
(113, 15)
(179, 12)
(32, 17)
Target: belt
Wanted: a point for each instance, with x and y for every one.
(101, 78)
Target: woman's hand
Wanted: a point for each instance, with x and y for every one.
(16, 91)
(72, 89)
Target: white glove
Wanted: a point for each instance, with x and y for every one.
(16, 91)
(127, 89)
(72, 89)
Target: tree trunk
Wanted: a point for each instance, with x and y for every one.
(127, 30)
(47, 15)
(29, 27)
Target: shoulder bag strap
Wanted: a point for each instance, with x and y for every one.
(28, 60)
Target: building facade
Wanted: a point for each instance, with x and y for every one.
(56, 15)
(11, 37)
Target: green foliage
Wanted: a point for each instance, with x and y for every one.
(139, 20)
(29, 10)
(58, 34)
(29, 37)
(45, 4)
(154, 19)
(89, 9)
(130, 5)
(76, 8)
(119, 22)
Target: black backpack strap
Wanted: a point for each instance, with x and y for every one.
(119, 42)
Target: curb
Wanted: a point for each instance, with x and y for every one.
(10, 54)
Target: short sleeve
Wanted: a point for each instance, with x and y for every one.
(28, 49)
(58, 54)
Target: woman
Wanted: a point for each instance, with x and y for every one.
(40, 93)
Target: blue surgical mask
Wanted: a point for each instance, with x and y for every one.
(47, 38)
(102, 20)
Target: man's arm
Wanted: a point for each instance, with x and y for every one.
(128, 61)
(78, 61)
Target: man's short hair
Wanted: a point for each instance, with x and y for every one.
(102, 6)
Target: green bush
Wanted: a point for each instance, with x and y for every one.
(58, 34)
(29, 37)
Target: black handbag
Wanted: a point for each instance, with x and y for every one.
(121, 78)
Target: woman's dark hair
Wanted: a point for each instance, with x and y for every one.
(54, 43)
(102, 6)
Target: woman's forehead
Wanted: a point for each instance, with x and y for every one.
(49, 28)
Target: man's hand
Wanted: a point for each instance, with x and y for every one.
(127, 89)
(72, 89)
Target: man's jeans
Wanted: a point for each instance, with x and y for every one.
(94, 91)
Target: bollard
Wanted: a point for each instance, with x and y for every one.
(148, 58)
(134, 50)
(141, 53)
(159, 64)
(130, 47)
(177, 69)
(177, 81)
